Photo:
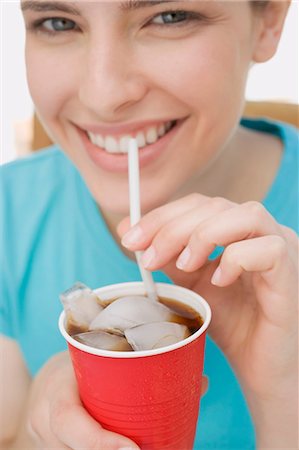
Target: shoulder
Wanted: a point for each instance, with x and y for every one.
(282, 197)
(33, 167)
(36, 194)
(33, 178)
(288, 134)
(34, 189)
(289, 137)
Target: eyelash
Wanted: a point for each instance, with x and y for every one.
(190, 16)
(39, 26)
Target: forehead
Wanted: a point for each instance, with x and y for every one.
(123, 5)
(77, 7)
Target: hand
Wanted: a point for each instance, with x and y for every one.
(57, 418)
(253, 292)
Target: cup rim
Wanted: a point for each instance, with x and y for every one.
(144, 353)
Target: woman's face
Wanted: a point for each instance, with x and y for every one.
(100, 71)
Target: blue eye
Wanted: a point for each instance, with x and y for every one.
(173, 17)
(53, 26)
(58, 24)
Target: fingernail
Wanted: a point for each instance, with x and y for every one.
(132, 236)
(148, 256)
(183, 258)
(216, 278)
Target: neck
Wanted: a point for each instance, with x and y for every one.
(244, 170)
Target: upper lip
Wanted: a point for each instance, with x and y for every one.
(124, 128)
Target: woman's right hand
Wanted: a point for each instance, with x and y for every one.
(57, 418)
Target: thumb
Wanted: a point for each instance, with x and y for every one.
(75, 428)
(87, 433)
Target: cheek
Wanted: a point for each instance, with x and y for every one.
(203, 71)
(50, 80)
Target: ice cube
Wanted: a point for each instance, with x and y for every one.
(81, 306)
(127, 312)
(104, 341)
(155, 335)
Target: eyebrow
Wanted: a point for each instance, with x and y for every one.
(43, 6)
(39, 6)
(137, 4)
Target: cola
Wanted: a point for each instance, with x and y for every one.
(127, 323)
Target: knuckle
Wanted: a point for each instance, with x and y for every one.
(102, 440)
(231, 254)
(291, 234)
(256, 209)
(151, 220)
(33, 427)
(167, 235)
(219, 203)
(278, 245)
(294, 236)
(57, 415)
(201, 233)
(195, 199)
(95, 442)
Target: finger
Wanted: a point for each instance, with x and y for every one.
(173, 235)
(88, 434)
(293, 242)
(267, 254)
(230, 225)
(269, 257)
(36, 440)
(141, 234)
(172, 238)
(41, 441)
(38, 428)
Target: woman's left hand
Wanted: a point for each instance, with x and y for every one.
(252, 288)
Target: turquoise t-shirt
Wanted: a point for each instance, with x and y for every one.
(53, 235)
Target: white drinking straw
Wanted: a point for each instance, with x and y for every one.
(135, 214)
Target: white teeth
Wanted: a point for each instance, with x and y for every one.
(141, 142)
(124, 144)
(111, 145)
(99, 141)
(151, 135)
(121, 145)
(92, 137)
(161, 130)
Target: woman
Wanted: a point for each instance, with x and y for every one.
(173, 75)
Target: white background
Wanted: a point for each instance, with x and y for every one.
(274, 80)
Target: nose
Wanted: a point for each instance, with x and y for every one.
(111, 80)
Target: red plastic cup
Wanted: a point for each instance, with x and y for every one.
(151, 396)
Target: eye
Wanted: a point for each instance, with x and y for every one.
(58, 24)
(174, 17)
(53, 26)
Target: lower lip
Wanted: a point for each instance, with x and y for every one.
(118, 163)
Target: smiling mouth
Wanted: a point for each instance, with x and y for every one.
(119, 145)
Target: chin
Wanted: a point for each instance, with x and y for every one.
(120, 205)
(114, 205)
